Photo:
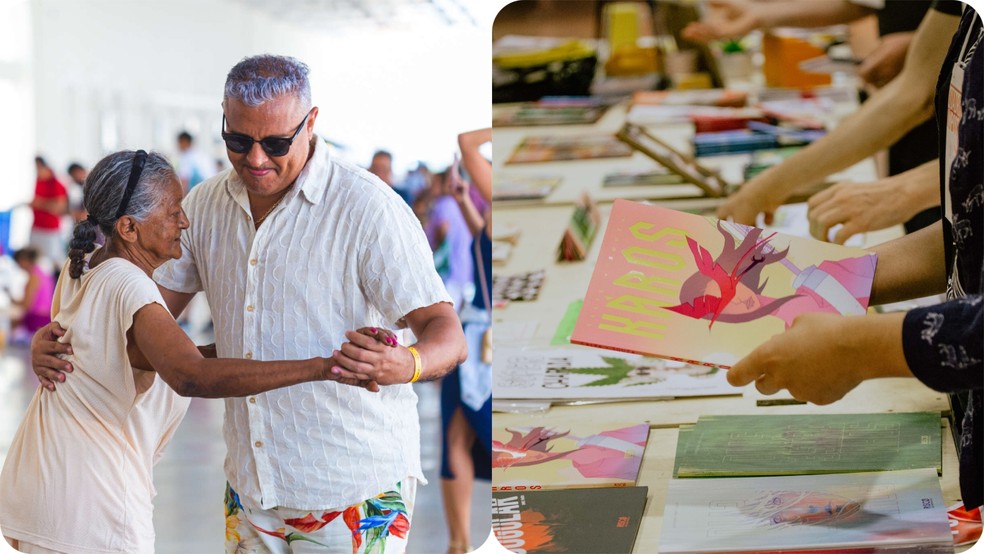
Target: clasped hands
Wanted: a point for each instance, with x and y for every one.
(371, 358)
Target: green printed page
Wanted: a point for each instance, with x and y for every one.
(736, 446)
(562, 337)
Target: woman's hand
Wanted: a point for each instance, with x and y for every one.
(373, 354)
(45, 349)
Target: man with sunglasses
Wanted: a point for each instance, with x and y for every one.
(293, 249)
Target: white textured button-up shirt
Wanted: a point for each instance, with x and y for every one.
(341, 251)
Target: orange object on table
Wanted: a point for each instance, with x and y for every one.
(783, 55)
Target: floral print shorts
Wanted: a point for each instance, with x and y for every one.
(378, 525)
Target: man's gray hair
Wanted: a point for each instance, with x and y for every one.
(257, 79)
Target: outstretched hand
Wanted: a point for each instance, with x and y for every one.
(373, 354)
(726, 19)
(744, 207)
(45, 350)
(822, 357)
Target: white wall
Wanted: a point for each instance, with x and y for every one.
(16, 101)
(112, 74)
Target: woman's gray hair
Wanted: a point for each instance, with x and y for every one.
(103, 192)
(257, 79)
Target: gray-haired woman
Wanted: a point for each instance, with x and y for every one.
(78, 476)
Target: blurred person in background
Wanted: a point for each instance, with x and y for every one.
(381, 166)
(193, 165)
(466, 393)
(450, 239)
(50, 204)
(77, 173)
(35, 300)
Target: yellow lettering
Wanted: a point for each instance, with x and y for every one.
(642, 231)
(658, 285)
(630, 327)
(653, 258)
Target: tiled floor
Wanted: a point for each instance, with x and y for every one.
(188, 513)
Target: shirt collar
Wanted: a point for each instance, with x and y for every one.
(311, 182)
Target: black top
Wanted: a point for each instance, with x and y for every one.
(951, 7)
(902, 15)
(944, 344)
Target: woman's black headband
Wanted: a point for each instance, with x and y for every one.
(139, 159)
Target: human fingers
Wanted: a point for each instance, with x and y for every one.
(48, 374)
(766, 385)
(382, 335)
(367, 384)
(342, 369)
(50, 332)
(822, 220)
(768, 217)
(698, 32)
(847, 230)
(353, 359)
(366, 342)
(745, 371)
(822, 197)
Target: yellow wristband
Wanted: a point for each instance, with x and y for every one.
(417, 367)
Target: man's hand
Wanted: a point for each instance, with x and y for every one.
(886, 61)
(45, 349)
(725, 19)
(822, 357)
(370, 356)
(458, 186)
(744, 207)
(857, 207)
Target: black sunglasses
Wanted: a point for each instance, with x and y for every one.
(273, 146)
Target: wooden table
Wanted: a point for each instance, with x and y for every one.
(540, 227)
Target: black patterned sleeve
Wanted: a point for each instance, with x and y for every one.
(943, 344)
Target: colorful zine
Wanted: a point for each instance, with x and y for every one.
(642, 179)
(524, 287)
(699, 290)
(586, 521)
(586, 374)
(581, 231)
(902, 511)
(573, 147)
(583, 455)
(523, 187)
(545, 113)
(733, 446)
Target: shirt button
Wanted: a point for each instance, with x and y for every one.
(249, 308)
(252, 400)
(249, 355)
(258, 444)
(253, 261)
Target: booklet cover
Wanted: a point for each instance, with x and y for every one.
(584, 374)
(901, 510)
(583, 455)
(568, 147)
(545, 113)
(696, 289)
(642, 179)
(586, 521)
(523, 187)
(734, 445)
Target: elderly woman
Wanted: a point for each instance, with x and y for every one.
(78, 476)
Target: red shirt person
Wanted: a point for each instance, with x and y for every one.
(49, 204)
